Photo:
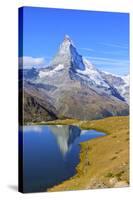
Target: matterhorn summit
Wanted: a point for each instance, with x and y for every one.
(68, 56)
(74, 88)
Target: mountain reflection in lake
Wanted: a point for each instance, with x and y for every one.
(50, 154)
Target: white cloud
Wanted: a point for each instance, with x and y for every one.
(115, 45)
(87, 49)
(115, 66)
(109, 61)
(28, 62)
(32, 129)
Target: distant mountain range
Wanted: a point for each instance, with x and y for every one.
(72, 87)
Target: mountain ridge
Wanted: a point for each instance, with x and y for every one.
(78, 89)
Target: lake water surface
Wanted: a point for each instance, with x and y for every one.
(51, 153)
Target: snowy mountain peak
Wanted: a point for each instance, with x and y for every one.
(70, 64)
(65, 45)
(67, 39)
(88, 64)
(68, 55)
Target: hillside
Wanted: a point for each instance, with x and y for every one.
(36, 110)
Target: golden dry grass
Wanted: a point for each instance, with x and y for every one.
(104, 161)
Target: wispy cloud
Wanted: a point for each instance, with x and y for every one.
(37, 129)
(28, 62)
(109, 62)
(106, 59)
(87, 49)
(121, 52)
(115, 45)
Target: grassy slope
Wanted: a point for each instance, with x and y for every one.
(103, 161)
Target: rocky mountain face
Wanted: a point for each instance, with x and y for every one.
(120, 83)
(36, 106)
(71, 87)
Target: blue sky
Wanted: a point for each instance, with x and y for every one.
(102, 37)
